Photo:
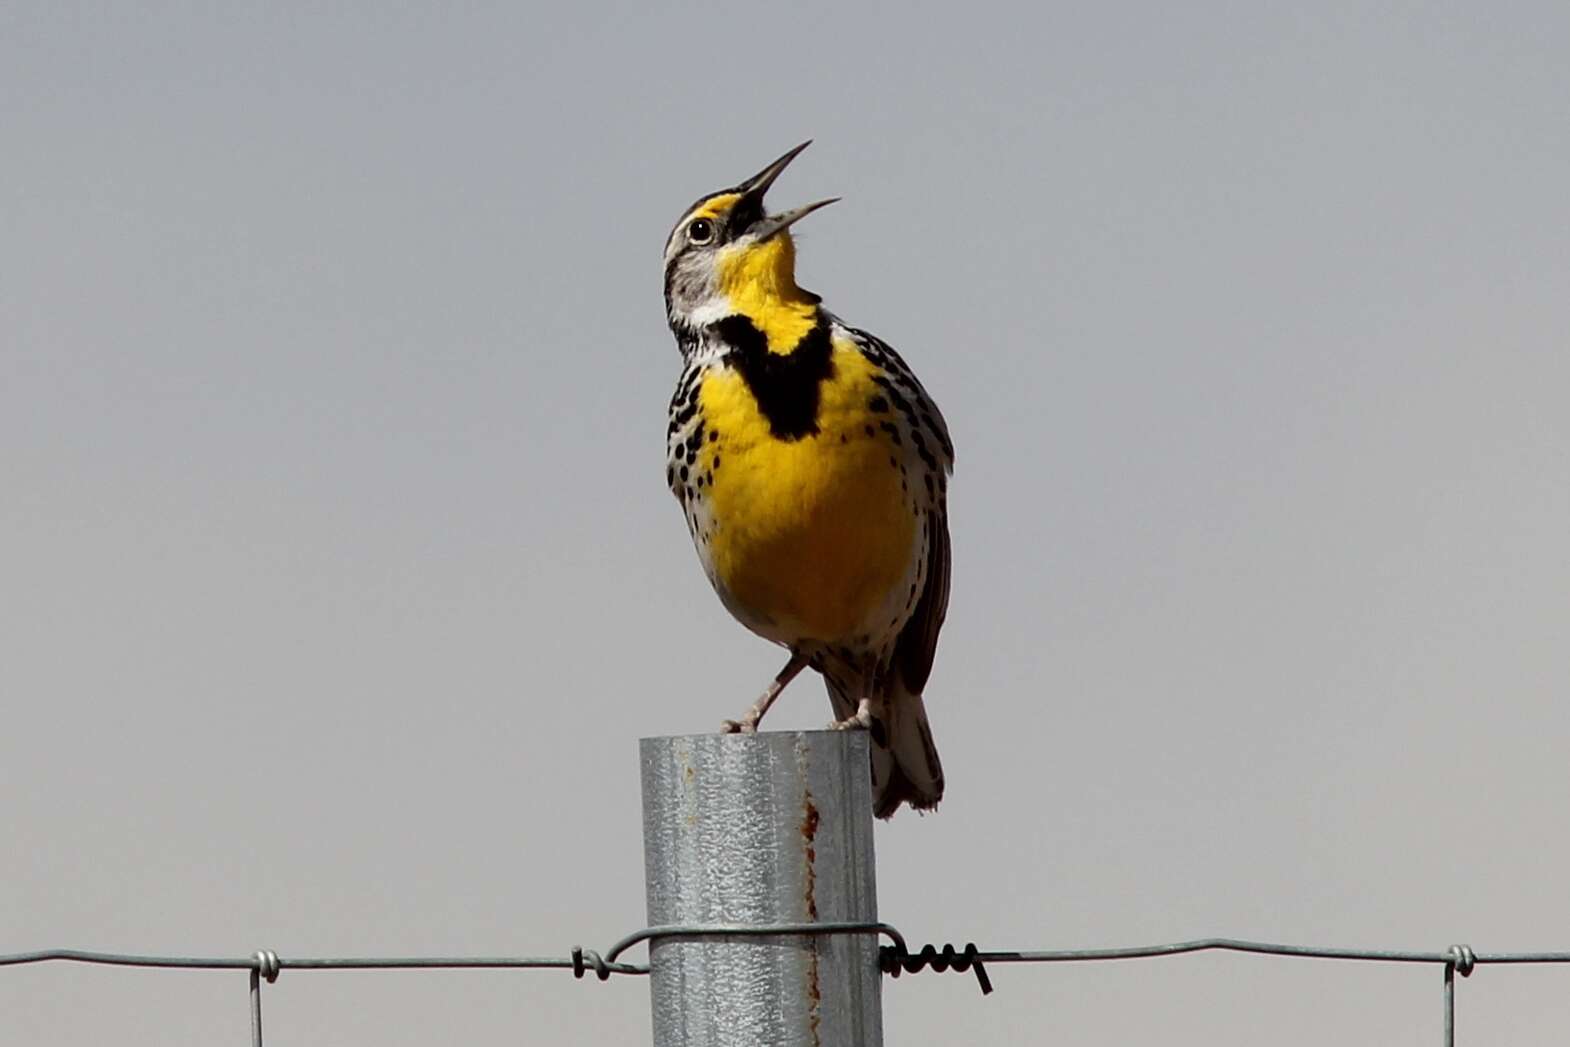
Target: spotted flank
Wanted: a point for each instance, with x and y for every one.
(813, 471)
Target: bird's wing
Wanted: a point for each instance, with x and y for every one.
(918, 640)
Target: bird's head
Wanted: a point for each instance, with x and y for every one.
(727, 255)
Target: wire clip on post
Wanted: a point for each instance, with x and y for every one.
(895, 959)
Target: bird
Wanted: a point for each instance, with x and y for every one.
(812, 467)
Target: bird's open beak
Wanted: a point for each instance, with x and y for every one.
(754, 188)
(759, 183)
(775, 223)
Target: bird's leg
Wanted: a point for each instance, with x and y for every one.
(749, 723)
(871, 683)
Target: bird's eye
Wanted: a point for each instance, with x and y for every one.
(700, 231)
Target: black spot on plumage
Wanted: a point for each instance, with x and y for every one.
(877, 405)
(895, 397)
(871, 431)
(681, 449)
(921, 448)
(716, 463)
(670, 476)
(892, 430)
(714, 435)
(785, 385)
(683, 474)
(928, 477)
(683, 416)
(937, 430)
(695, 441)
(689, 383)
(687, 340)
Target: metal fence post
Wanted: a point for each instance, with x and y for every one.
(761, 829)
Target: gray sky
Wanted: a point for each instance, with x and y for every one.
(341, 579)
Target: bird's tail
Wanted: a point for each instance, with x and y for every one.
(915, 774)
(905, 764)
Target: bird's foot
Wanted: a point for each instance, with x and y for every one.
(748, 724)
(860, 720)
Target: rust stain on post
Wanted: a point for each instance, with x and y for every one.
(809, 832)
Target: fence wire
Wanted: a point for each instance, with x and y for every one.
(895, 958)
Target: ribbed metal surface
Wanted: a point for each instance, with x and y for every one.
(756, 829)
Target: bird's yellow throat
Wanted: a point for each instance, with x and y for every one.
(759, 279)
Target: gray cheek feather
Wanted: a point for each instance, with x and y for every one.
(692, 283)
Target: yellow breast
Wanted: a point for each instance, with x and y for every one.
(810, 535)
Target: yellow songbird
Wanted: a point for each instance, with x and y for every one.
(813, 469)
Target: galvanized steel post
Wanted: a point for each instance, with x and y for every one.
(761, 829)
